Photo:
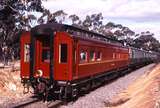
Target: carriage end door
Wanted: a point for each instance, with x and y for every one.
(43, 55)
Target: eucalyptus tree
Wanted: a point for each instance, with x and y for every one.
(15, 16)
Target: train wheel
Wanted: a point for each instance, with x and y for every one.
(60, 96)
(64, 94)
(74, 93)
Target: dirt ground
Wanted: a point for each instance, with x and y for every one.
(11, 88)
(143, 93)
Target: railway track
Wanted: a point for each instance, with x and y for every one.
(26, 102)
(33, 102)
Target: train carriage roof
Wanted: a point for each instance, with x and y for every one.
(51, 27)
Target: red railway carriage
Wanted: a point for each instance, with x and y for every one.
(99, 58)
(25, 56)
(66, 57)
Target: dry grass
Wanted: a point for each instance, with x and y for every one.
(10, 83)
(116, 103)
(143, 93)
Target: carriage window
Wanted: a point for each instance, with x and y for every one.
(45, 49)
(119, 55)
(63, 53)
(26, 53)
(99, 56)
(46, 55)
(114, 56)
(92, 56)
(83, 56)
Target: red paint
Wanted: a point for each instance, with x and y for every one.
(63, 71)
(25, 70)
(107, 62)
(41, 65)
(113, 57)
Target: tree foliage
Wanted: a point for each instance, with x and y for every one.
(93, 22)
(146, 41)
(17, 15)
(14, 18)
(48, 17)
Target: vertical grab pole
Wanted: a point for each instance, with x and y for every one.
(52, 34)
(32, 55)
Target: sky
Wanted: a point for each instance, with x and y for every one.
(138, 15)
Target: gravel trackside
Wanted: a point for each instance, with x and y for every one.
(98, 97)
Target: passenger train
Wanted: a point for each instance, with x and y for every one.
(60, 60)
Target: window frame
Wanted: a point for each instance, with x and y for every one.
(45, 48)
(26, 54)
(60, 53)
(99, 58)
(93, 56)
(86, 56)
(113, 55)
(47, 59)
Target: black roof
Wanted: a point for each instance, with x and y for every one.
(51, 27)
